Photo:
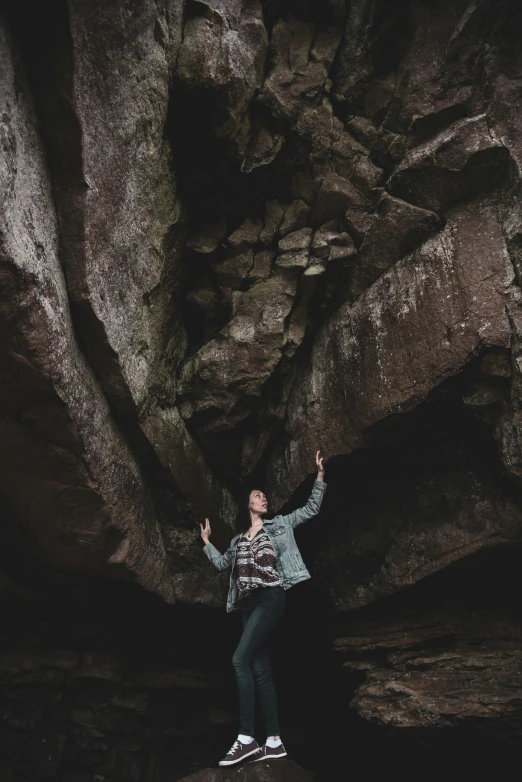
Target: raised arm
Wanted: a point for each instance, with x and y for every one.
(313, 505)
(221, 561)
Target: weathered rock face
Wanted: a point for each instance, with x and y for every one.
(68, 470)
(120, 253)
(63, 458)
(433, 665)
(449, 680)
(384, 353)
(233, 233)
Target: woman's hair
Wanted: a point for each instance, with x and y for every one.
(243, 514)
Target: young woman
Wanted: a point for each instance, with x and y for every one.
(264, 561)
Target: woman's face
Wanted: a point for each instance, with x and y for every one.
(258, 502)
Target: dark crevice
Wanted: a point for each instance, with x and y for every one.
(390, 36)
(431, 125)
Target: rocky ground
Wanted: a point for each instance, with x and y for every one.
(233, 232)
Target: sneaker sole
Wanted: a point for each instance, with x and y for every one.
(232, 762)
(270, 757)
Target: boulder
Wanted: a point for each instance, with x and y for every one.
(266, 771)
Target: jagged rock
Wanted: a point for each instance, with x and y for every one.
(295, 217)
(318, 127)
(233, 269)
(352, 161)
(337, 197)
(415, 326)
(444, 697)
(179, 452)
(274, 212)
(440, 77)
(443, 670)
(314, 268)
(297, 240)
(246, 234)
(300, 59)
(396, 227)
(508, 427)
(354, 65)
(363, 131)
(224, 50)
(263, 147)
(69, 474)
(330, 245)
(267, 771)
(262, 265)
(503, 63)
(445, 124)
(341, 251)
(228, 374)
(461, 160)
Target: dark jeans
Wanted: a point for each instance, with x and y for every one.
(260, 612)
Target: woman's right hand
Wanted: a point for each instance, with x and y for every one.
(205, 530)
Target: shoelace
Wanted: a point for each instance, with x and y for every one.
(234, 746)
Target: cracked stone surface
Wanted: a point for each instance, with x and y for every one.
(437, 668)
(450, 686)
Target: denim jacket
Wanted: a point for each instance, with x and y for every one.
(280, 530)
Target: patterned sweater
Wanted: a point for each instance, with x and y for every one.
(256, 564)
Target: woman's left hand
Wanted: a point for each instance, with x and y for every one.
(320, 468)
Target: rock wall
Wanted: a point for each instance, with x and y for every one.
(233, 233)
